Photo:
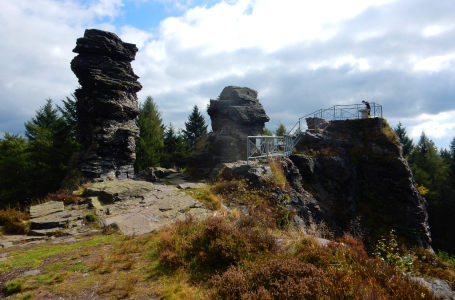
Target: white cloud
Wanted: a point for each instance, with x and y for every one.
(136, 36)
(434, 63)
(438, 126)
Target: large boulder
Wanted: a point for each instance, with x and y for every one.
(106, 105)
(236, 115)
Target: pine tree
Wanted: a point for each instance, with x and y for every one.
(405, 141)
(151, 139)
(194, 128)
(280, 130)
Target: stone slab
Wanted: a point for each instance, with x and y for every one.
(191, 185)
(41, 210)
(56, 220)
(112, 191)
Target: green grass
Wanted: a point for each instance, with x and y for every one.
(32, 258)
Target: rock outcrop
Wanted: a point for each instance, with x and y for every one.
(236, 115)
(355, 170)
(106, 105)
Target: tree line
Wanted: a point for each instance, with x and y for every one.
(35, 164)
(434, 174)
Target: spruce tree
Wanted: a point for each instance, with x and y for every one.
(194, 128)
(280, 130)
(405, 141)
(151, 139)
(51, 146)
(176, 149)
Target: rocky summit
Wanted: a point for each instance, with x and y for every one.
(354, 170)
(106, 105)
(236, 115)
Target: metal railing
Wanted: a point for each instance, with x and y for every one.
(337, 112)
(269, 146)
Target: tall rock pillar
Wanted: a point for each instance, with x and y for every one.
(106, 105)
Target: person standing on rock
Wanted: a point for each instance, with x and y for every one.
(367, 106)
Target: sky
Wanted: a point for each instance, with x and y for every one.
(301, 56)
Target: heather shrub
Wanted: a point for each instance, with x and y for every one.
(275, 278)
(210, 244)
(63, 196)
(427, 264)
(352, 275)
(14, 221)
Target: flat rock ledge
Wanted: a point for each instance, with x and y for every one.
(159, 208)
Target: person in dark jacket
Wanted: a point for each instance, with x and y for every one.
(367, 106)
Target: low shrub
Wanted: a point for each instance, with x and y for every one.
(275, 278)
(62, 196)
(14, 286)
(429, 265)
(14, 221)
(210, 244)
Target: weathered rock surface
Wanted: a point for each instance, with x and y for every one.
(112, 191)
(356, 170)
(106, 105)
(45, 209)
(438, 288)
(50, 217)
(236, 115)
(159, 208)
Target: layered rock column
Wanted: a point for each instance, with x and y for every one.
(106, 105)
(236, 115)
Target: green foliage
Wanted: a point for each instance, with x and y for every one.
(151, 137)
(428, 167)
(267, 132)
(447, 257)
(91, 217)
(175, 150)
(405, 141)
(14, 286)
(16, 166)
(194, 128)
(31, 168)
(390, 253)
(280, 130)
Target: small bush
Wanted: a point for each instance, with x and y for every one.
(14, 286)
(62, 196)
(277, 178)
(91, 217)
(14, 221)
(276, 278)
